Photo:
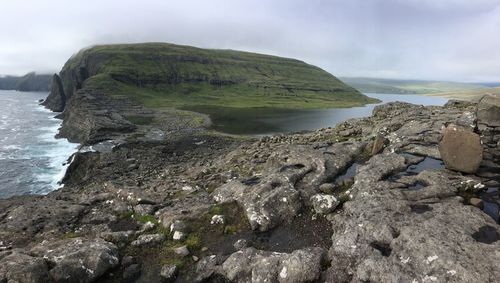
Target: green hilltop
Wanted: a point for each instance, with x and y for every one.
(163, 75)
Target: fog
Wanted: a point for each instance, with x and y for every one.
(410, 39)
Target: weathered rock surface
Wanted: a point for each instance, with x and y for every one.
(78, 260)
(324, 203)
(18, 267)
(56, 101)
(292, 176)
(168, 273)
(390, 233)
(149, 240)
(461, 149)
(400, 217)
(488, 110)
(251, 265)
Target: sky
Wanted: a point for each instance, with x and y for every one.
(455, 40)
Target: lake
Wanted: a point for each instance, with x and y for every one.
(268, 121)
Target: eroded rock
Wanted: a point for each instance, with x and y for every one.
(78, 260)
(18, 267)
(252, 265)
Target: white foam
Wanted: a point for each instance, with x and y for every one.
(58, 151)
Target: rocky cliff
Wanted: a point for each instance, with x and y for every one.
(367, 201)
(182, 75)
(28, 82)
(106, 89)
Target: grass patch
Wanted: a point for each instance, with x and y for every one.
(141, 218)
(70, 235)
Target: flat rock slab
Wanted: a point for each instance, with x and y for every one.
(461, 149)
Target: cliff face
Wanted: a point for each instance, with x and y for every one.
(173, 75)
(28, 82)
(57, 99)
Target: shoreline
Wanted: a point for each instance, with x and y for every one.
(194, 192)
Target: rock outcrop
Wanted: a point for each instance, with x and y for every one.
(56, 101)
(165, 204)
(28, 82)
(488, 123)
(461, 149)
(488, 111)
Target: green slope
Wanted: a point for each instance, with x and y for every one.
(408, 86)
(168, 75)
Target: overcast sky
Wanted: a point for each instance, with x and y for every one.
(413, 39)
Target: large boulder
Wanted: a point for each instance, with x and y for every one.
(77, 259)
(488, 110)
(461, 149)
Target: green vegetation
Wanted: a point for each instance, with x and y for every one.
(408, 86)
(140, 120)
(161, 75)
(70, 235)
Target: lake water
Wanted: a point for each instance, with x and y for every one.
(265, 121)
(31, 158)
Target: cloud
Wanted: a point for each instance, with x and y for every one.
(421, 39)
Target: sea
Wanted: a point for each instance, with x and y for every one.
(32, 160)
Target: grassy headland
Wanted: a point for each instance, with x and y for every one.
(161, 75)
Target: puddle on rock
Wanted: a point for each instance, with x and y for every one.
(348, 174)
(486, 235)
(423, 163)
(428, 163)
(491, 203)
(420, 208)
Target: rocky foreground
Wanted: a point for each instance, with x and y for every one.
(367, 201)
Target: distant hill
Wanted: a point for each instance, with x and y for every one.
(168, 75)
(408, 86)
(28, 82)
(470, 94)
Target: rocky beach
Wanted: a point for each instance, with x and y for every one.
(409, 194)
(170, 201)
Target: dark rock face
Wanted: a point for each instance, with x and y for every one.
(461, 149)
(28, 82)
(56, 101)
(488, 123)
(92, 118)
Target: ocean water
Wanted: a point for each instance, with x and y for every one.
(32, 160)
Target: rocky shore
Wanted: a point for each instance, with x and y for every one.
(154, 196)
